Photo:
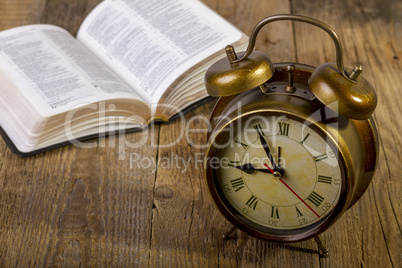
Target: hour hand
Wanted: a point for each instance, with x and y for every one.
(250, 169)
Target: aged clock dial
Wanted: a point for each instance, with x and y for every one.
(277, 172)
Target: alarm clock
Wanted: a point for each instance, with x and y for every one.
(290, 147)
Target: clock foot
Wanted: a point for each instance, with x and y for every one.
(228, 232)
(322, 247)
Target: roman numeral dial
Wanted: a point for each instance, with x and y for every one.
(325, 179)
(315, 198)
(310, 180)
(320, 157)
(237, 184)
(241, 143)
(283, 129)
(274, 212)
(252, 202)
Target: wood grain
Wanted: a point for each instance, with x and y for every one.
(116, 205)
(20, 12)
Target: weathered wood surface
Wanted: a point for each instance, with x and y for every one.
(90, 207)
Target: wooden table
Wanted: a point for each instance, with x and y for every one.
(90, 207)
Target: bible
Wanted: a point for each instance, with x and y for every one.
(132, 62)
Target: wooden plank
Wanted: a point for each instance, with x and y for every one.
(180, 230)
(74, 206)
(67, 14)
(107, 205)
(276, 39)
(15, 13)
(369, 234)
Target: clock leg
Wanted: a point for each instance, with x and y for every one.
(322, 248)
(228, 232)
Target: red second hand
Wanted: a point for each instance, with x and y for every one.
(269, 168)
(293, 191)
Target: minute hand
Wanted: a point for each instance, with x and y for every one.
(268, 152)
(266, 149)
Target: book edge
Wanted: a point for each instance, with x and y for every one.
(19, 153)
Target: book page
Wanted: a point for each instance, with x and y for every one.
(149, 44)
(54, 71)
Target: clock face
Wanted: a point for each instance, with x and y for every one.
(277, 173)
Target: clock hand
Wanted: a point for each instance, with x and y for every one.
(279, 156)
(250, 169)
(268, 152)
(293, 192)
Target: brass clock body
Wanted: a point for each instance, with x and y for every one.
(250, 201)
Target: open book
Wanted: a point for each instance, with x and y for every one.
(133, 62)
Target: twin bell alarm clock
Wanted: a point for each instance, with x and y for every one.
(291, 147)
